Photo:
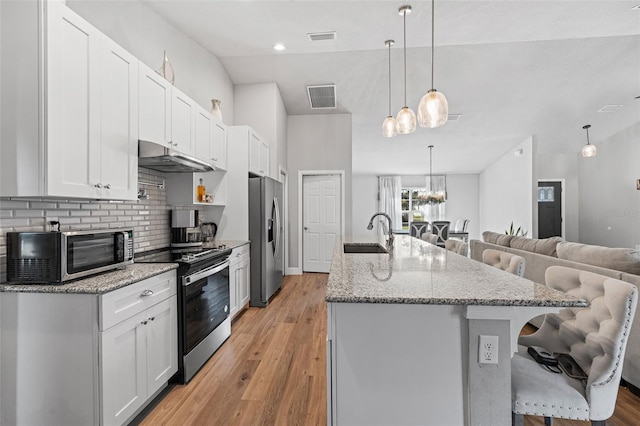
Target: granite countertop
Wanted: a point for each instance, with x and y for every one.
(420, 273)
(97, 284)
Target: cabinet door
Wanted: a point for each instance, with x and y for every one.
(245, 281)
(254, 153)
(154, 106)
(182, 116)
(219, 145)
(123, 360)
(162, 343)
(118, 162)
(233, 288)
(203, 123)
(264, 158)
(72, 105)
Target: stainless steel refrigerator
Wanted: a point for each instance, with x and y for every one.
(265, 233)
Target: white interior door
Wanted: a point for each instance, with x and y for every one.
(321, 215)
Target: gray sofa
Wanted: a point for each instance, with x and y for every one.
(539, 254)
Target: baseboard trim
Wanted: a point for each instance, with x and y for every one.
(634, 389)
(294, 271)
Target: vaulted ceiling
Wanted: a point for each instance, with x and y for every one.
(512, 69)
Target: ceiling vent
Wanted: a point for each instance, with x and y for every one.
(331, 35)
(453, 117)
(322, 97)
(610, 108)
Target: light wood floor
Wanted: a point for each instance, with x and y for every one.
(271, 371)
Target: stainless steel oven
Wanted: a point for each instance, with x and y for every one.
(203, 304)
(205, 315)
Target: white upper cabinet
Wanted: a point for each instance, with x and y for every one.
(182, 122)
(77, 136)
(154, 109)
(210, 139)
(258, 154)
(219, 145)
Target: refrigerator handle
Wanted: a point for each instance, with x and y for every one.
(277, 226)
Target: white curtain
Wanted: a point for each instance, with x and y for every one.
(436, 185)
(389, 193)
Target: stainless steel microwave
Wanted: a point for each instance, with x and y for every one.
(54, 257)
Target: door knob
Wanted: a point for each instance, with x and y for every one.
(305, 228)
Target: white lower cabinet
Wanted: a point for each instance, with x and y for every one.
(139, 355)
(239, 278)
(86, 359)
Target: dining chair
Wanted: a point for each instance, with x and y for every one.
(417, 228)
(441, 229)
(596, 338)
(508, 262)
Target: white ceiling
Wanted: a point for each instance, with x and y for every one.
(511, 68)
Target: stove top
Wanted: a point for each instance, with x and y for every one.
(184, 255)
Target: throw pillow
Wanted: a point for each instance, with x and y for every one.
(619, 259)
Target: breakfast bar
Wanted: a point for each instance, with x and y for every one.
(403, 334)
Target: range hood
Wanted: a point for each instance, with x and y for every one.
(157, 157)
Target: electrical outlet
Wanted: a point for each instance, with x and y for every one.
(488, 350)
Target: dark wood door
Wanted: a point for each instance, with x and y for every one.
(549, 209)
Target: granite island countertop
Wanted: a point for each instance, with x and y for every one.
(417, 272)
(96, 284)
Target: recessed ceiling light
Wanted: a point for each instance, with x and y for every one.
(453, 117)
(610, 108)
(279, 47)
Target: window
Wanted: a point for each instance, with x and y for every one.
(413, 201)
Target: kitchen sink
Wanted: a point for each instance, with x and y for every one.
(364, 248)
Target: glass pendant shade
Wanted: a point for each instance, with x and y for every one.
(433, 110)
(589, 150)
(406, 120)
(389, 127)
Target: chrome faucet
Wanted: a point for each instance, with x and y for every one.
(370, 227)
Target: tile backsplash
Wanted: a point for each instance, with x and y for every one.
(148, 217)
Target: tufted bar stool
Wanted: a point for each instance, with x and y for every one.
(595, 336)
(430, 238)
(502, 260)
(457, 246)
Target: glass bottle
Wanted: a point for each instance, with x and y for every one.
(200, 191)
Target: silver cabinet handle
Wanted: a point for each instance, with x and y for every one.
(108, 186)
(144, 323)
(305, 228)
(214, 159)
(152, 318)
(146, 293)
(98, 185)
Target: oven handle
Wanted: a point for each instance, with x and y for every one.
(190, 279)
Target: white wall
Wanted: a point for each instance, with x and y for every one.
(145, 34)
(609, 201)
(261, 107)
(506, 191)
(364, 202)
(317, 142)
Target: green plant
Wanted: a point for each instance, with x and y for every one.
(513, 231)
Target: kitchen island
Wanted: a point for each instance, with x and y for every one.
(403, 335)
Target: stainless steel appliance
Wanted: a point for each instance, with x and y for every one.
(54, 257)
(203, 304)
(157, 157)
(265, 233)
(185, 229)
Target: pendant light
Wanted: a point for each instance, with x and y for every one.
(433, 109)
(406, 118)
(433, 197)
(389, 125)
(588, 150)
